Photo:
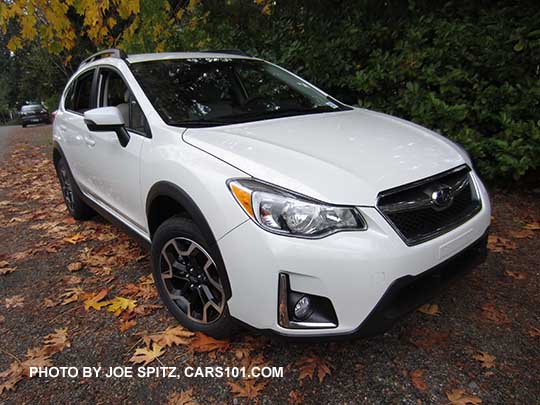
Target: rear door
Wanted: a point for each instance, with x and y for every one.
(79, 98)
(115, 170)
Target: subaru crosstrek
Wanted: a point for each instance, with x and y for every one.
(266, 201)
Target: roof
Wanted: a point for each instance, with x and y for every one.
(145, 57)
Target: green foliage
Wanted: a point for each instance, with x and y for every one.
(469, 70)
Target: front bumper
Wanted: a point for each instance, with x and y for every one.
(364, 274)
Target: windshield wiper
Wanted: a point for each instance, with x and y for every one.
(258, 115)
(198, 123)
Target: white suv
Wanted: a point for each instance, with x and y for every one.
(265, 200)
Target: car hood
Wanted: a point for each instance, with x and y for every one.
(344, 157)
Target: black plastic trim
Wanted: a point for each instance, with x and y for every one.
(120, 130)
(437, 232)
(167, 189)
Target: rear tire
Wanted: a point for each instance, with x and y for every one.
(71, 193)
(186, 277)
(24, 125)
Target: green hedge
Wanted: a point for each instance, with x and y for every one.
(469, 70)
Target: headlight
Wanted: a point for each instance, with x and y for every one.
(283, 212)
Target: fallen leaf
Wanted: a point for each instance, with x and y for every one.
(417, 378)
(429, 309)
(522, 234)
(78, 237)
(498, 244)
(171, 336)
(249, 389)
(487, 360)
(534, 332)
(145, 309)
(50, 303)
(75, 266)
(182, 398)
(72, 295)
(7, 270)
(57, 341)
(458, 397)
(120, 304)
(295, 398)
(95, 301)
(204, 343)
(3, 263)
(14, 302)
(533, 226)
(309, 365)
(426, 339)
(517, 275)
(146, 355)
(143, 291)
(490, 313)
(72, 280)
(125, 325)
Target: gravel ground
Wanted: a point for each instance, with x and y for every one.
(424, 359)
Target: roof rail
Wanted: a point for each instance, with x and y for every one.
(227, 51)
(113, 52)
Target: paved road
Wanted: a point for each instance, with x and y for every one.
(483, 340)
(4, 133)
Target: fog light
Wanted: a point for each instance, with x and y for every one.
(302, 309)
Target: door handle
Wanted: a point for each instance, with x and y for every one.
(90, 141)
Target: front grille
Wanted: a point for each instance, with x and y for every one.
(428, 208)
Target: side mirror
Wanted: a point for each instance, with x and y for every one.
(107, 119)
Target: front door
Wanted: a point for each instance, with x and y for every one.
(115, 170)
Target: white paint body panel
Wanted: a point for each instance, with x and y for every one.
(341, 158)
(344, 157)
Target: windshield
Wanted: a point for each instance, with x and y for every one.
(26, 108)
(210, 92)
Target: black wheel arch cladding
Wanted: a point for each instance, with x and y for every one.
(172, 191)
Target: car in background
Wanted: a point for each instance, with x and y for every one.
(34, 114)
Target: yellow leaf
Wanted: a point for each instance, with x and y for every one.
(95, 301)
(120, 304)
(74, 239)
(147, 355)
(171, 336)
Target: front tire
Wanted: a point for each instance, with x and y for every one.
(187, 278)
(71, 193)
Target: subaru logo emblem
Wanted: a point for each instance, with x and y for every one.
(442, 197)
